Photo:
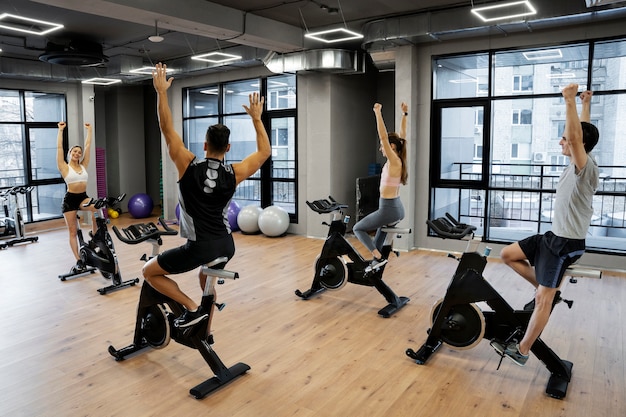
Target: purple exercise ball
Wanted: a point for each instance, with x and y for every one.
(233, 212)
(140, 206)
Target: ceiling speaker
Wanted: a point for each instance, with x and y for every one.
(79, 53)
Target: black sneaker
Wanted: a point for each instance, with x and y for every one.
(80, 265)
(375, 264)
(190, 318)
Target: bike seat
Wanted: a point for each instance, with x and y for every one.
(396, 230)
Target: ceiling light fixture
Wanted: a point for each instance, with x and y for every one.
(332, 35)
(504, 11)
(156, 38)
(27, 25)
(147, 70)
(216, 57)
(543, 54)
(102, 81)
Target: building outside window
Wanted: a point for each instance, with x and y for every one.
(508, 191)
(28, 149)
(275, 182)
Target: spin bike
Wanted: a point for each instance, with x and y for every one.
(154, 327)
(460, 324)
(99, 252)
(331, 270)
(14, 226)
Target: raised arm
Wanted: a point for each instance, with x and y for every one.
(383, 135)
(180, 155)
(61, 164)
(405, 113)
(255, 160)
(87, 149)
(585, 113)
(573, 131)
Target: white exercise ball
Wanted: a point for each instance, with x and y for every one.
(274, 221)
(248, 219)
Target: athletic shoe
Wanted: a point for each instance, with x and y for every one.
(511, 351)
(375, 264)
(80, 265)
(190, 318)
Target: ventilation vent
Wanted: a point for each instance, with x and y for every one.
(77, 53)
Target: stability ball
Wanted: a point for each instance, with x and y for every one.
(274, 221)
(233, 212)
(248, 219)
(140, 205)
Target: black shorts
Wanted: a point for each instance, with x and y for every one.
(551, 255)
(71, 201)
(193, 254)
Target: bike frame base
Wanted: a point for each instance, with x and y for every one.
(121, 285)
(88, 270)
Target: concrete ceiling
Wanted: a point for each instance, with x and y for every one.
(253, 29)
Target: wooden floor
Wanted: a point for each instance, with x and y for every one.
(328, 356)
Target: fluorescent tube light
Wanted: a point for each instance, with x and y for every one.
(216, 57)
(543, 54)
(504, 11)
(27, 25)
(147, 70)
(102, 81)
(334, 35)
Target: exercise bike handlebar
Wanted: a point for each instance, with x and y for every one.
(325, 205)
(138, 233)
(18, 189)
(104, 201)
(449, 227)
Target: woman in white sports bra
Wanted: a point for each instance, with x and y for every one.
(390, 208)
(74, 172)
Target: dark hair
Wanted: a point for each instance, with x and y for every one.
(217, 137)
(590, 136)
(400, 143)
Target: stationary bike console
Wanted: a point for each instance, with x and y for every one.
(332, 271)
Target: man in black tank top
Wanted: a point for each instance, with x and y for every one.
(205, 189)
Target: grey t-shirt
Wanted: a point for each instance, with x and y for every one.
(574, 197)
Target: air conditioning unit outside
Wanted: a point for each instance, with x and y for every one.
(593, 3)
(540, 157)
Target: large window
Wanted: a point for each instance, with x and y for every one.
(275, 182)
(499, 170)
(28, 140)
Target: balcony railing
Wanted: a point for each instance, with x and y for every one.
(520, 197)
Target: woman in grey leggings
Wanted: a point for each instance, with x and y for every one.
(394, 174)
